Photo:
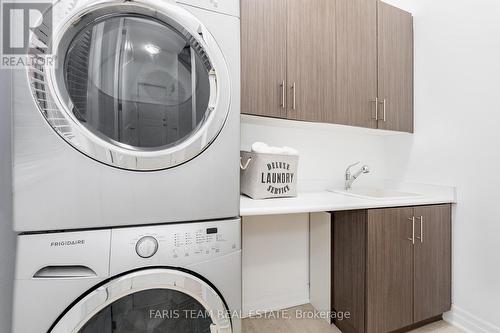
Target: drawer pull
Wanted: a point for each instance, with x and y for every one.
(283, 98)
(376, 107)
(412, 238)
(64, 272)
(421, 238)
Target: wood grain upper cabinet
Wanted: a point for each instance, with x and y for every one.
(263, 55)
(395, 68)
(432, 261)
(336, 61)
(311, 54)
(389, 270)
(356, 31)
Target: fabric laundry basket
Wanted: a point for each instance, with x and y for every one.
(266, 176)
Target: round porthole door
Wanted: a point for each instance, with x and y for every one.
(138, 85)
(148, 301)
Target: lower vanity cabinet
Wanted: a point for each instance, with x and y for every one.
(391, 268)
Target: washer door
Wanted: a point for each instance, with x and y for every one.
(139, 85)
(148, 301)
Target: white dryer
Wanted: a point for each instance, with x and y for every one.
(137, 121)
(182, 278)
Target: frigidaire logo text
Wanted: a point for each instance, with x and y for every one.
(68, 243)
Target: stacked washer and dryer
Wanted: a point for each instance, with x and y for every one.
(126, 170)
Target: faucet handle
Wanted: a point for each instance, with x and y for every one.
(350, 166)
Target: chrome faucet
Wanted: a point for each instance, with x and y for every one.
(350, 178)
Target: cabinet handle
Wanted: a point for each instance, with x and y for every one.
(283, 99)
(376, 107)
(294, 96)
(412, 238)
(384, 105)
(421, 238)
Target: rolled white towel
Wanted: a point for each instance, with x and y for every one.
(290, 151)
(264, 148)
(261, 148)
(276, 150)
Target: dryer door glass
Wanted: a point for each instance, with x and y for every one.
(137, 82)
(137, 87)
(151, 311)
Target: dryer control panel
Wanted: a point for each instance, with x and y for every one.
(173, 244)
(146, 246)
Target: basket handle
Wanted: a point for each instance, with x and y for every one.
(244, 167)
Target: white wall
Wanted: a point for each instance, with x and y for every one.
(276, 248)
(325, 150)
(275, 262)
(7, 237)
(457, 140)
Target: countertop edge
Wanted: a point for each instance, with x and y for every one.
(250, 207)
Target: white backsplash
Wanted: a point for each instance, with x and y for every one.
(325, 150)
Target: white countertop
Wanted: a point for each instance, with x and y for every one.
(325, 201)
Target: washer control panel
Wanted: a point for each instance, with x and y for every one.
(174, 244)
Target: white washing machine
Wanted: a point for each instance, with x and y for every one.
(182, 278)
(137, 120)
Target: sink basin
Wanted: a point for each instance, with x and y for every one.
(378, 193)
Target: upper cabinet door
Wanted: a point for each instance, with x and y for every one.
(311, 59)
(356, 25)
(432, 287)
(389, 270)
(395, 68)
(263, 53)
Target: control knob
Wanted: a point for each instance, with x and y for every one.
(146, 247)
